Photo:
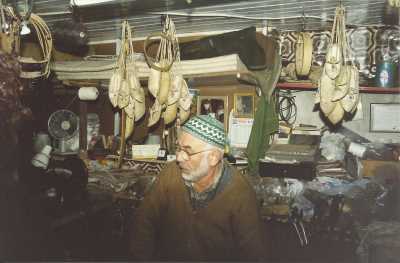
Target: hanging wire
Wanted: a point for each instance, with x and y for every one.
(303, 21)
(28, 11)
(72, 101)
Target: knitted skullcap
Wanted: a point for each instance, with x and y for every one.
(207, 129)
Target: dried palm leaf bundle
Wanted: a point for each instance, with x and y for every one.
(155, 113)
(394, 3)
(139, 98)
(125, 91)
(120, 85)
(170, 113)
(350, 101)
(159, 82)
(175, 91)
(186, 99)
(123, 94)
(140, 111)
(334, 57)
(163, 73)
(136, 91)
(342, 83)
(183, 115)
(114, 87)
(326, 88)
(337, 114)
(129, 126)
(179, 94)
(184, 103)
(340, 93)
(165, 83)
(130, 108)
(333, 61)
(154, 81)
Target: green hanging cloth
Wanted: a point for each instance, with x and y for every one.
(266, 120)
(265, 123)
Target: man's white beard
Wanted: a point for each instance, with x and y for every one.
(197, 174)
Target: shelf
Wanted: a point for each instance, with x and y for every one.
(310, 86)
(380, 90)
(85, 70)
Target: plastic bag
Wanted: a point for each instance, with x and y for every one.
(333, 146)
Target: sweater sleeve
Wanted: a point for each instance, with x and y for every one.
(147, 218)
(248, 229)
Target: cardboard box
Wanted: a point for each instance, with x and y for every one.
(145, 151)
(375, 167)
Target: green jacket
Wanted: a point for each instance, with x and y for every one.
(167, 228)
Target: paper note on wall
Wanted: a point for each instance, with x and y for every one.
(239, 131)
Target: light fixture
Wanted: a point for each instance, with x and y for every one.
(82, 3)
(25, 29)
(41, 160)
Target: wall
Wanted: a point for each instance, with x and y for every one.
(228, 92)
(307, 114)
(366, 43)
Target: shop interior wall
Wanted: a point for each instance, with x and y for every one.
(228, 91)
(308, 114)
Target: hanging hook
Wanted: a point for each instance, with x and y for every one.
(163, 19)
(303, 18)
(265, 27)
(165, 22)
(167, 6)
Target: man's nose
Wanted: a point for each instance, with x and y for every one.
(179, 157)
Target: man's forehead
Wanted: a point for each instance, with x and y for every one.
(186, 139)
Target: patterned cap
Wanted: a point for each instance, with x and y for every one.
(207, 129)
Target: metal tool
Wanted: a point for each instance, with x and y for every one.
(296, 221)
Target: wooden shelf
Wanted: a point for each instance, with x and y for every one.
(296, 85)
(380, 90)
(310, 86)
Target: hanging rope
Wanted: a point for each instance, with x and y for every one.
(151, 61)
(43, 35)
(125, 91)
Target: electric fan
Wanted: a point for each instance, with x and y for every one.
(63, 126)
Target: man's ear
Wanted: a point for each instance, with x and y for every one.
(214, 157)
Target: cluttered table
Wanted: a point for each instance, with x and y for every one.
(335, 205)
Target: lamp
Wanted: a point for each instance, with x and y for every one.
(41, 159)
(88, 93)
(25, 29)
(82, 3)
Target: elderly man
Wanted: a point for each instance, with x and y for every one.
(200, 208)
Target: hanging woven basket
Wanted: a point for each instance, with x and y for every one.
(304, 48)
(30, 67)
(151, 62)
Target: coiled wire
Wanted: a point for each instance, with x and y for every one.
(286, 106)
